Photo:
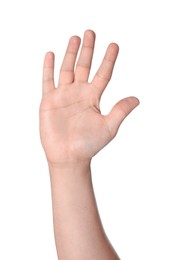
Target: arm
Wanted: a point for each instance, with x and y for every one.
(72, 131)
(79, 233)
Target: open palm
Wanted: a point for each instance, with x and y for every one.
(71, 125)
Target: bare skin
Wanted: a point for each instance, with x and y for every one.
(72, 131)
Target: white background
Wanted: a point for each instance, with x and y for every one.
(134, 176)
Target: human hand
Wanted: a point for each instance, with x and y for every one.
(72, 128)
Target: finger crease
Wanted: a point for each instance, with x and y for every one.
(47, 80)
(102, 77)
(66, 70)
(87, 47)
(109, 61)
(83, 65)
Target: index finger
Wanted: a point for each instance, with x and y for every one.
(104, 73)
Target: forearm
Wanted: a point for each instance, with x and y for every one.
(79, 234)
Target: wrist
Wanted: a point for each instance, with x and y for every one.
(69, 167)
(69, 177)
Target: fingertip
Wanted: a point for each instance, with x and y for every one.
(134, 100)
(89, 39)
(112, 52)
(49, 59)
(90, 33)
(50, 55)
(114, 46)
(75, 39)
(126, 105)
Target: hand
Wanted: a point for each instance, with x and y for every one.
(72, 127)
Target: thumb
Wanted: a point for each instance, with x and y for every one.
(119, 112)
